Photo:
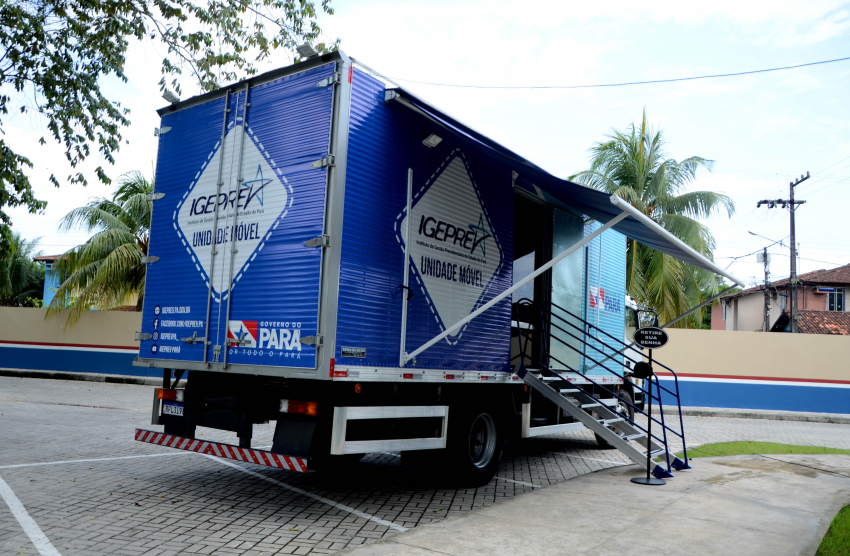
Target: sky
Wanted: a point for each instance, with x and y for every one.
(762, 131)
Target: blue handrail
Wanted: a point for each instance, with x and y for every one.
(631, 347)
(546, 336)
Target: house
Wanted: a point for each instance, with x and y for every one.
(818, 292)
(52, 280)
(815, 322)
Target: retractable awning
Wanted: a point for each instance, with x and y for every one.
(598, 205)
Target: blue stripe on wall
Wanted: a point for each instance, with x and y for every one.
(73, 361)
(781, 397)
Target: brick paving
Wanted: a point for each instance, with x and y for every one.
(185, 503)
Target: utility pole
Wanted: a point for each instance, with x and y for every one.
(765, 258)
(792, 205)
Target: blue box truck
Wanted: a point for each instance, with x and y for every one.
(332, 253)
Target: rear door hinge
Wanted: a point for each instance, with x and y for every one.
(328, 161)
(242, 341)
(323, 241)
(143, 336)
(149, 259)
(157, 131)
(155, 196)
(193, 339)
(332, 80)
(317, 340)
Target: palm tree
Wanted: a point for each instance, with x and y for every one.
(21, 278)
(106, 271)
(634, 166)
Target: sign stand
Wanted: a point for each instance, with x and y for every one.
(649, 337)
(649, 480)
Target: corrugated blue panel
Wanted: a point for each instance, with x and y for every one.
(268, 208)
(605, 290)
(384, 141)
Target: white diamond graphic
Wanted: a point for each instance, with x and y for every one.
(452, 244)
(248, 210)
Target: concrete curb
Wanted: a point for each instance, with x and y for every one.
(87, 377)
(771, 414)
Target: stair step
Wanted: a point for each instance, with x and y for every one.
(584, 407)
(610, 421)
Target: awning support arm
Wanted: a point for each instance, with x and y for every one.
(700, 306)
(675, 320)
(652, 225)
(518, 285)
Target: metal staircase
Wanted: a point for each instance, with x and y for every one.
(593, 408)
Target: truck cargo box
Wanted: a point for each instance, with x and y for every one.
(280, 234)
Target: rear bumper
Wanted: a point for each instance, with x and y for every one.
(228, 451)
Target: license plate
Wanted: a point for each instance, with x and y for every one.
(172, 409)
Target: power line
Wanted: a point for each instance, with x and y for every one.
(810, 260)
(827, 186)
(624, 83)
(836, 176)
(738, 220)
(735, 259)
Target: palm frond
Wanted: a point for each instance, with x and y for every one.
(633, 164)
(21, 277)
(106, 271)
(99, 214)
(698, 204)
(696, 235)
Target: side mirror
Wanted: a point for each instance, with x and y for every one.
(642, 370)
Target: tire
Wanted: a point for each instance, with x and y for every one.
(623, 409)
(474, 447)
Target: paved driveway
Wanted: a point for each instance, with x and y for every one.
(79, 484)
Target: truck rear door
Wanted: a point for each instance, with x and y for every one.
(237, 280)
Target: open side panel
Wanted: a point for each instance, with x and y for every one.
(238, 277)
(604, 300)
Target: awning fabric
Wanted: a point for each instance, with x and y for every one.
(564, 194)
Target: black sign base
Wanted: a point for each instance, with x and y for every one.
(652, 481)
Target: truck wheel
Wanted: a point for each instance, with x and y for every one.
(623, 409)
(474, 447)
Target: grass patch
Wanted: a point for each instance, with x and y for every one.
(746, 448)
(836, 542)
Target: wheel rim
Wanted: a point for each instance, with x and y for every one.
(482, 440)
(622, 408)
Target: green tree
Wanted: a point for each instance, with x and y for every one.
(21, 278)
(634, 166)
(54, 54)
(107, 271)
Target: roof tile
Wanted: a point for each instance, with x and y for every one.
(824, 322)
